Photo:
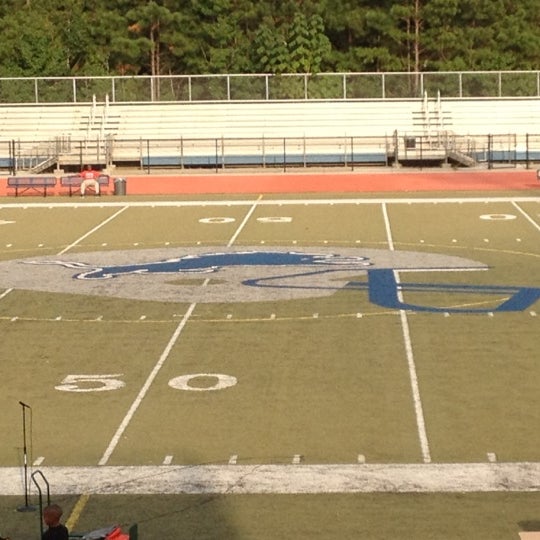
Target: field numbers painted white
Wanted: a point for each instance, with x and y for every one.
(498, 217)
(91, 383)
(217, 220)
(267, 219)
(220, 382)
(103, 383)
(275, 219)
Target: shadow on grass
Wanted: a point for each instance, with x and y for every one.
(529, 525)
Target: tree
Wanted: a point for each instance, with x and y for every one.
(296, 47)
(101, 37)
(30, 45)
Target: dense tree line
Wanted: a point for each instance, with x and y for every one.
(134, 37)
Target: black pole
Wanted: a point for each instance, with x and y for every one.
(12, 157)
(26, 507)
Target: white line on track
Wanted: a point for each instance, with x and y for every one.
(164, 355)
(418, 409)
(284, 479)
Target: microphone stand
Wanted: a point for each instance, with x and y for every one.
(26, 507)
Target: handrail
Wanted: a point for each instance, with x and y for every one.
(33, 476)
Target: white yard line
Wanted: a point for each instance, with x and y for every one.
(146, 386)
(244, 221)
(418, 409)
(164, 355)
(284, 479)
(5, 293)
(92, 231)
(73, 244)
(526, 216)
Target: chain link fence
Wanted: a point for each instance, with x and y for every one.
(262, 87)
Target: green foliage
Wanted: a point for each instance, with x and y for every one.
(161, 37)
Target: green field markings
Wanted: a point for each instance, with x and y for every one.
(284, 479)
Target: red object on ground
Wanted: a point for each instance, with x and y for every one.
(117, 534)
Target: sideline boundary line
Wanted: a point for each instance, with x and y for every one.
(284, 479)
(248, 201)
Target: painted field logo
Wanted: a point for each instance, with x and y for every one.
(212, 262)
(253, 274)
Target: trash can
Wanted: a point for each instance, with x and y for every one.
(410, 142)
(120, 186)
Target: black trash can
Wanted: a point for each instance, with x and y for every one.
(410, 142)
(120, 186)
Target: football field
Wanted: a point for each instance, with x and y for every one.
(257, 367)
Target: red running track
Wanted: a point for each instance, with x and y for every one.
(321, 182)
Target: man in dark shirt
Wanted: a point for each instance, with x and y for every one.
(51, 518)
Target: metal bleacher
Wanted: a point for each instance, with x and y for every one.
(212, 133)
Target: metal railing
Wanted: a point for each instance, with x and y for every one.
(401, 148)
(265, 87)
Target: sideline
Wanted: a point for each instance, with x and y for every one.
(284, 479)
(307, 201)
